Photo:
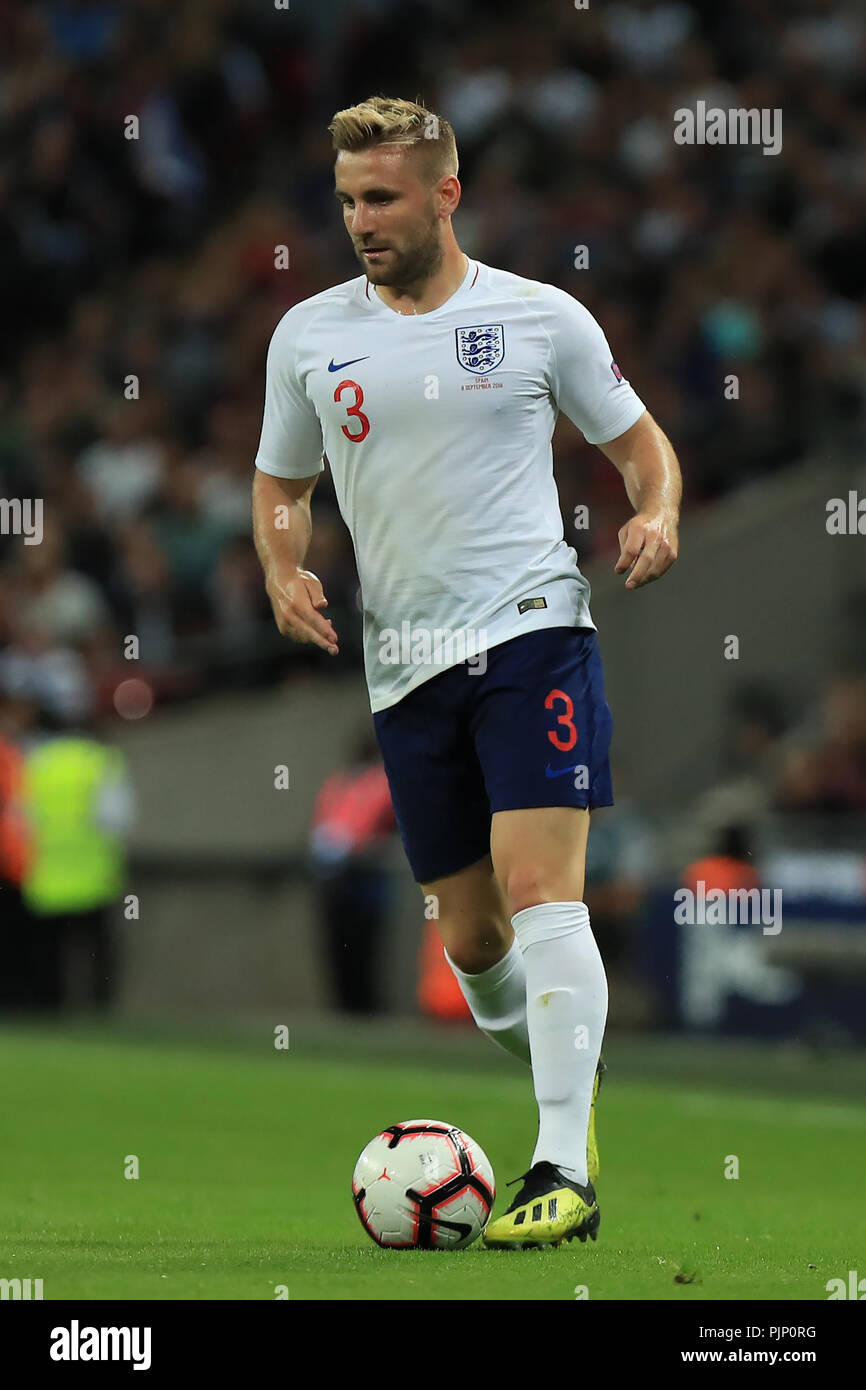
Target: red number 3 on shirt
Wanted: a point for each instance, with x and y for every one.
(354, 410)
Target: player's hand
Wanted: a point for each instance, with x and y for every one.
(648, 547)
(296, 600)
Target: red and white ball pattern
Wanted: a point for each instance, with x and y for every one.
(423, 1185)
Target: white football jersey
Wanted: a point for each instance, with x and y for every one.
(437, 428)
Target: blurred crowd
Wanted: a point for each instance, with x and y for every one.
(776, 764)
(153, 153)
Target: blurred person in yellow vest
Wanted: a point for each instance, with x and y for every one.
(79, 805)
(15, 719)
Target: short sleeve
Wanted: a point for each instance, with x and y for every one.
(291, 439)
(588, 386)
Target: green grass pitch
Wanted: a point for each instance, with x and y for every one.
(245, 1157)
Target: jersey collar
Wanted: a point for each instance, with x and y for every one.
(378, 305)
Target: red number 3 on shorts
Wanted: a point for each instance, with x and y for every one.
(564, 745)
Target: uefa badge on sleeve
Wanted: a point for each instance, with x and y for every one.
(617, 373)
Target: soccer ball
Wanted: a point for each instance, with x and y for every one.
(423, 1185)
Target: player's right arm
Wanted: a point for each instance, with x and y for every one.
(288, 463)
(282, 527)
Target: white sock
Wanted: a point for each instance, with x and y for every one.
(566, 1010)
(497, 1000)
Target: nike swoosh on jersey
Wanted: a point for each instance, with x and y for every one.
(338, 366)
(559, 771)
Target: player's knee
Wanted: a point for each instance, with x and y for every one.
(530, 885)
(476, 945)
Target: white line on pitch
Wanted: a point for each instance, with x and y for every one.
(772, 1109)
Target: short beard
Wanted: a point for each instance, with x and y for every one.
(410, 268)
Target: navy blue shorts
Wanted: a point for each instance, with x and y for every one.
(532, 729)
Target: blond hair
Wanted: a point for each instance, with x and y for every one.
(393, 121)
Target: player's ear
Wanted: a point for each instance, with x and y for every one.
(448, 194)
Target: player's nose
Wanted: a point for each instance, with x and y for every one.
(361, 222)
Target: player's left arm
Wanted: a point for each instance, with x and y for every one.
(649, 541)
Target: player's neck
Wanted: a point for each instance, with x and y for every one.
(430, 294)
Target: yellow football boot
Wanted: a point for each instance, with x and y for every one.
(592, 1164)
(547, 1210)
(549, 1207)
